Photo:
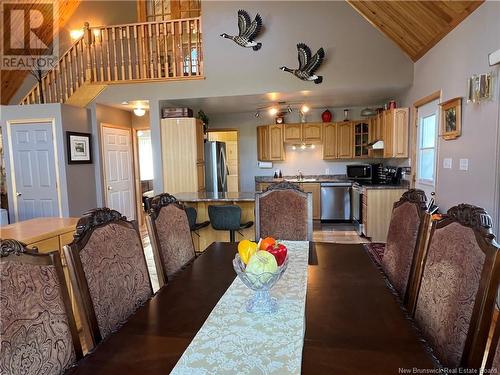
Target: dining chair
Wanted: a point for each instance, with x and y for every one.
(284, 211)
(108, 267)
(170, 235)
(37, 328)
(458, 286)
(407, 234)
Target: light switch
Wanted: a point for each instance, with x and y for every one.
(464, 164)
(447, 163)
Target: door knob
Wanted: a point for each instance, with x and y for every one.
(110, 188)
(18, 194)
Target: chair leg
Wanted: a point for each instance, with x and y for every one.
(232, 237)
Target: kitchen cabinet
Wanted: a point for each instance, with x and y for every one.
(361, 138)
(345, 140)
(396, 124)
(292, 133)
(183, 153)
(312, 132)
(270, 143)
(330, 147)
(315, 189)
(377, 211)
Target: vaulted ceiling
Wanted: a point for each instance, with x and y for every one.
(11, 80)
(415, 26)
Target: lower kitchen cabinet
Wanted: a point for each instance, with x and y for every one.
(315, 189)
(377, 211)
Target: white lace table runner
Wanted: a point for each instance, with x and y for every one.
(232, 341)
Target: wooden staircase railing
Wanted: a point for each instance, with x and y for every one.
(138, 52)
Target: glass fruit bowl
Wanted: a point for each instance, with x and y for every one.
(261, 301)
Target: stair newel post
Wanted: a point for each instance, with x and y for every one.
(88, 39)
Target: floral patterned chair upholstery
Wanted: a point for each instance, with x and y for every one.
(37, 329)
(409, 222)
(170, 234)
(284, 211)
(458, 286)
(108, 266)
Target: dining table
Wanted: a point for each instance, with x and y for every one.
(354, 324)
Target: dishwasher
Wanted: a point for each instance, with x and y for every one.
(336, 201)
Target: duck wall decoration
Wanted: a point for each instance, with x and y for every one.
(307, 64)
(248, 31)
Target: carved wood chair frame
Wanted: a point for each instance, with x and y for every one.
(495, 334)
(284, 186)
(15, 251)
(480, 222)
(92, 220)
(155, 206)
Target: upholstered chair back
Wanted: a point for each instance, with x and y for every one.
(458, 286)
(407, 223)
(37, 329)
(108, 266)
(284, 211)
(170, 235)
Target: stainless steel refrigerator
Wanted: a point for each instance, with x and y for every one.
(216, 169)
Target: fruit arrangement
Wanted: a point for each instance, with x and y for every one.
(263, 263)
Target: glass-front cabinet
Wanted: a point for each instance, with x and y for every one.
(361, 139)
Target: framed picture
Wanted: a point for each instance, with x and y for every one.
(451, 118)
(79, 148)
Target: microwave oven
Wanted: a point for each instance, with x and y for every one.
(359, 171)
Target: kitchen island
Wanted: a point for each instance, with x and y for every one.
(201, 200)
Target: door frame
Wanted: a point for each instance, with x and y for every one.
(222, 130)
(52, 122)
(137, 170)
(103, 165)
(436, 95)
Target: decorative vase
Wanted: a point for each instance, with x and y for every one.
(326, 116)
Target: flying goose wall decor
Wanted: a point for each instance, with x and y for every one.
(307, 64)
(248, 31)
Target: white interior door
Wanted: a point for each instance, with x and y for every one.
(118, 170)
(34, 170)
(427, 147)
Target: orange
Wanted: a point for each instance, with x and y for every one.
(266, 242)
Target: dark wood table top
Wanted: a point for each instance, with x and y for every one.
(353, 323)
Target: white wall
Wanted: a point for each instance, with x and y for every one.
(446, 67)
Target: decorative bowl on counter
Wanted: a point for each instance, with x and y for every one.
(260, 283)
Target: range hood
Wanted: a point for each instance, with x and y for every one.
(376, 145)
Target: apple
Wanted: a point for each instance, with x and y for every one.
(279, 251)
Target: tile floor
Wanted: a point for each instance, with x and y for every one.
(322, 232)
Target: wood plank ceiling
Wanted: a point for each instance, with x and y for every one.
(11, 80)
(415, 26)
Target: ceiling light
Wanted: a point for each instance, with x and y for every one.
(289, 109)
(76, 34)
(139, 111)
(273, 111)
(303, 146)
(257, 114)
(304, 109)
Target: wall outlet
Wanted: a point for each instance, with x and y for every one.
(464, 164)
(447, 163)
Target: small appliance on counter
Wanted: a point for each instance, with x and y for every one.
(176, 112)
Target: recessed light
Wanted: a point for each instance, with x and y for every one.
(273, 111)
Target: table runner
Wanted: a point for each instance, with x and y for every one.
(234, 341)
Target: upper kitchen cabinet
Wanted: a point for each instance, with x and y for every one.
(395, 125)
(270, 143)
(182, 155)
(338, 140)
(297, 133)
(361, 138)
(292, 133)
(312, 132)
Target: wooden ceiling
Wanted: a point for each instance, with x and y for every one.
(415, 26)
(11, 80)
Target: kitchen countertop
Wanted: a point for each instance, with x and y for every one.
(386, 187)
(306, 179)
(216, 197)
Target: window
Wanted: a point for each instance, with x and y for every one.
(164, 10)
(145, 155)
(426, 172)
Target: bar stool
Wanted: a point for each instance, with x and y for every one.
(227, 218)
(193, 225)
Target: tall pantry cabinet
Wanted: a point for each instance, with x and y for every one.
(183, 155)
